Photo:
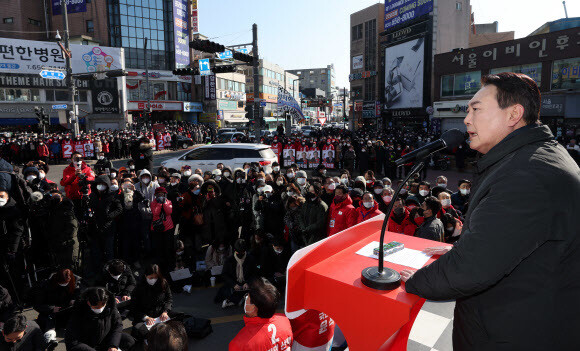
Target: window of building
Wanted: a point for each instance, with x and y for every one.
(370, 45)
(369, 92)
(34, 22)
(533, 71)
(90, 26)
(357, 32)
(460, 84)
(8, 20)
(356, 93)
(458, 6)
(311, 72)
(566, 74)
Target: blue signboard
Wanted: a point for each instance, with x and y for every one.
(72, 6)
(180, 32)
(262, 103)
(243, 51)
(204, 67)
(59, 107)
(225, 55)
(52, 74)
(400, 11)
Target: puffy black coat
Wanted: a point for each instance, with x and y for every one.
(515, 269)
(47, 295)
(106, 207)
(11, 227)
(229, 271)
(124, 286)
(269, 215)
(150, 301)
(87, 328)
(314, 220)
(142, 156)
(7, 307)
(62, 224)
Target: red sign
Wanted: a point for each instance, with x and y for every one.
(378, 108)
(194, 21)
(358, 106)
(322, 120)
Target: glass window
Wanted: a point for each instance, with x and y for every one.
(81, 96)
(131, 21)
(8, 20)
(566, 74)
(90, 26)
(60, 95)
(123, 9)
(230, 85)
(458, 6)
(533, 70)
(467, 83)
(447, 85)
(139, 22)
(145, 13)
(34, 95)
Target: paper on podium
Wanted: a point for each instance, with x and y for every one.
(157, 321)
(406, 257)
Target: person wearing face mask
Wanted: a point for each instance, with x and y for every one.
(290, 175)
(341, 214)
(191, 214)
(216, 255)
(349, 157)
(11, 227)
(276, 169)
(328, 193)
(460, 199)
(423, 191)
(320, 172)
(446, 206)
(243, 210)
(77, 174)
(274, 263)
(96, 324)
(103, 165)
(142, 154)
(42, 152)
(214, 224)
(119, 280)
(386, 197)
(432, 227)
(268, 212)
(377, 190)
(53, 298)
(62, 227)
(151, 299)
(162, 229)
(400, 221)
(313, 217)
(146, 187)
(129, 223)
(441, 185)
(260, 319)
(302, 182)
(368, 208)
(239, 270)
(20, 334)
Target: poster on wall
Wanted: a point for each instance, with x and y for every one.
(72, 6)
(404, 68)
(400, 11)
(357, 62)
(180, 32)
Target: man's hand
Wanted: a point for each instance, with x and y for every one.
(237, 287)
(438, 250)
(78, 171)
(125, 298)
(406, 274)
(149, 321)
(113, 349)
(117, 300)
(246, 287)
(164, 317)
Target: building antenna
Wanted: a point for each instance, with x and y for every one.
(565, 11)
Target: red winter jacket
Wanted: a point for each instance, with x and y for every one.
(264, 334)
(42, 150)
(364, 214)
(156, 212)
(406, 227)
(70, 181)
(341, 216)
(312, 329)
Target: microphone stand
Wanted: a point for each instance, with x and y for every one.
(382, 278)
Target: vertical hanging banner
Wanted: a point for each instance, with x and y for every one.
(194, 17)
(286, 102)
(180, 32)
(72, 6)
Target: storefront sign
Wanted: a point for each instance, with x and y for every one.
(412, 112)
(180, 32)
(8, 80)
(407, 32)
(361, 75)
(210, 88)
(208, 118)
(358, 105)
(72, 6)
(369, 109)
(192, 107)
(357, 62)
(553, 105)
(155, 105)
(105, 96)
(227, 105)
(30, 56)
(398, 12)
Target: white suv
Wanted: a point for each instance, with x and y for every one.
(233, 155)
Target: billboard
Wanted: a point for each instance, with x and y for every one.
(31, 57)
(404, 73)
(72, 6)
(400, 11)
(357, 62)
(180, 32)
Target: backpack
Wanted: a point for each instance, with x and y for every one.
(197, 328)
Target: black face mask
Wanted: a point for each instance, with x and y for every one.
(421, 212)
(310, 197)
(399, 211)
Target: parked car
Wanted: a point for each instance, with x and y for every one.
(226, 130)
(306, 130)
(229, 137)
(184, 142)
(206, 157)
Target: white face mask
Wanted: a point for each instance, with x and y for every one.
(30, 178)
(465, 191)
(151, 281)
(174, 183)
(378, 191)
(279, 183)
(387, 198)
(301, 181)
(276, 169)
(114, 187)
(423, 192)
(443, 185)
(98, 310)
(101, 157)
(114, 175)
(368, 204)
(145, 180)
(290, 193)
(446, 202)
(218, 178)
(331, 186)
(239, 180)
(101, 187)
(187, 173)
(41, 175)
(116, 277)
(278, 251)
(63, 284)
(290, 175)
(3, 202)
(226, 174)
(344, 180)
(131, 167)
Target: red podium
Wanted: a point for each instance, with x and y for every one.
(326, 276)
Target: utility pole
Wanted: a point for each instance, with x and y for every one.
(565, 10)
(256, 64)
(147, 93)
(344, 105)
(69, 80)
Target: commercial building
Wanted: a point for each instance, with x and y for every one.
(316, 78)
(551, 59)
(487, 33)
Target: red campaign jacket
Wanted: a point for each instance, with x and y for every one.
(364, 214)
(105, 148)
(277, 148)
(71, 182)
(341, 216)
(264, 334)
(156, 212)
(42, 150)
(312, 329)
(406, 227)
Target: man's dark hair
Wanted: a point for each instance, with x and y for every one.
(168, 336)
(516, 88)
(425, 183)
(16, 324)
(433, 204)
(265, 297)
(317, 188)
(95, 296)
(342, 187)
(463, 181)
(116, 267)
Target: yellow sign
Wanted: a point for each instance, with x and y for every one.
(194, 4)
(208, 117)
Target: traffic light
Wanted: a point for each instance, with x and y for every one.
(224, 69)
(206, 46)
(186, 71)
(249, 111)
(117, 73)
(41, 116)
(243, 57)
(87, 76)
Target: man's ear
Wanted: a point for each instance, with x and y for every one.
(516, 114)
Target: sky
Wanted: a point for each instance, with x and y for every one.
(315, 33)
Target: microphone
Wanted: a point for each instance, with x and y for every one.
(450, 140)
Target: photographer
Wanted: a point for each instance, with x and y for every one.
(103, 164)
(76, 178)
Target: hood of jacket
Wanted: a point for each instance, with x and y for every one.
(218, 190)
(347, 201)
(103, 179)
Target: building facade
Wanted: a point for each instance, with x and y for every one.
(318, 78)
(551, 59)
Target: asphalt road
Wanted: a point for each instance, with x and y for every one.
(226, 323)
